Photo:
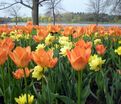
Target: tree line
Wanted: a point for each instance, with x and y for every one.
(70, 17)
(97, 11)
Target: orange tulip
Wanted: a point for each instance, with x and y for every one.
(21, 56)
(82, 43)
(7, 43)
(68, 30)
(90, 29)
(100, 49)
(79, 57)
(40, 35)
(44, 59)
(3, 55)
(53, 28)
(18, 74)
(79, 32)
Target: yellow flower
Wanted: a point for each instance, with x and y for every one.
(63, 40)
(69, 44)
(96, 34)
(3, 35)
(49, 39)
(97, 41)
(119, 41)
(22, 99)
(118, 50)
(63, 50)
(40, 46)
(95, 62)
(26, 36)
(65, 45)
(16, 37)
(12, 32)
(38, 72)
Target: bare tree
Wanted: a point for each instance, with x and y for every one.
(31, 4)
(98, 7)
(53, 7)
(14, 11)
(115, 6)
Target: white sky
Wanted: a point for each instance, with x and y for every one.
(68, 5)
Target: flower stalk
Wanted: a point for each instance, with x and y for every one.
(3, 83)
(26, 89)
(79, 85)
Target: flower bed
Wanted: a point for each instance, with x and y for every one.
(60, 64)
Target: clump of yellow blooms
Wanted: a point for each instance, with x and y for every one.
(26, 36)
(49, 39)
(96, 34)
(97, 41)
(96, 62)
(63, 40)
(63, 50)
(22, 99)
(118, 50)
(40, 46)
(38, 72)
(3, 35)
(15, 36)
(65, 45)
(119, 41)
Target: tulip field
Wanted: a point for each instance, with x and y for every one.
(58, 64)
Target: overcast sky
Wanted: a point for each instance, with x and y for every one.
(68, 5)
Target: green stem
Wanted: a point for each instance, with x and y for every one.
(104, 85)
(9, 73)
(107, 95)
(79, 87)
(48, 91)
(26, 89)
(3, 80)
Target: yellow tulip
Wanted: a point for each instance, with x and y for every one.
(22, 99)
(96, 62)
(38, 72)
(49, 39)
(118, 50)
(97, 41)
(40, 46)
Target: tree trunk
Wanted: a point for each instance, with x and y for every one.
(96, 18)
(53, 16)
(16, 20)
(35, 12)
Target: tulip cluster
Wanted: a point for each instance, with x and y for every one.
(60, 64)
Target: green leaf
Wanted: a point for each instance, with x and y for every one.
(65, 99)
